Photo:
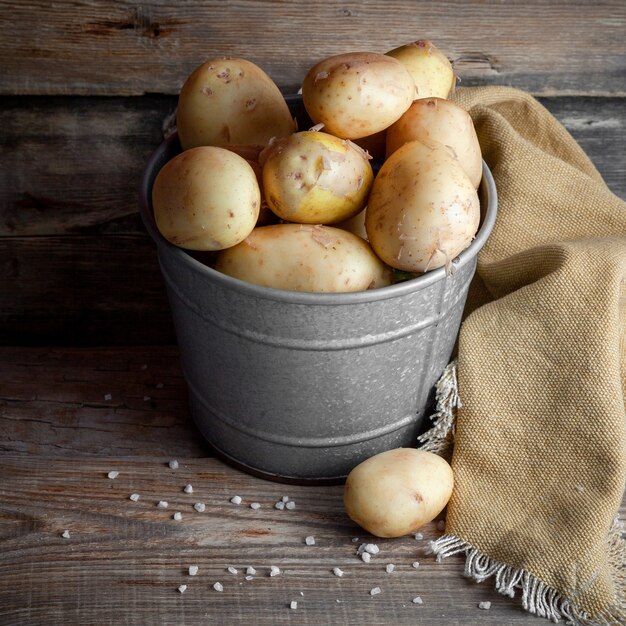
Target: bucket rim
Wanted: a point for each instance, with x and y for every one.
(158, 158)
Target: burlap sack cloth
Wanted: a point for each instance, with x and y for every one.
(540, 444)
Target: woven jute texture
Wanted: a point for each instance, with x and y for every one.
(540, 443)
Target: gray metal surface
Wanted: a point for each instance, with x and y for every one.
(305, 386)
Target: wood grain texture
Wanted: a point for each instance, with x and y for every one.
(124, 560)
(129, 47)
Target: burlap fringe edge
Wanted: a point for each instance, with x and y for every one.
(537, 597)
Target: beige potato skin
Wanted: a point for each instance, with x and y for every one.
(316, 178)
(357, 94)
(395, 493)
(436, 119)
(206, 198)
(231, 101)
(430, 69)
(423, 209)
(309, 258)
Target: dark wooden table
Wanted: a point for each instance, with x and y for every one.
(89, 374)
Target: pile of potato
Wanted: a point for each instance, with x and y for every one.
(305, 210)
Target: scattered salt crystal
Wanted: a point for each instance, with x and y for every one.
(291, 505)
(293, 605)
(279, 505)
(417, 600)
(484, 605)
(250, 570)
(65, 534)
(310, 540)
(375, 591)
(182, 588)
(177, 516)
(218, 586)
(366, 556)
(441, 525)
(372, 548)
(188, 489)
(113, 474)
(162, 504)
(193, 570)
(389, 568)
(302, 593)
(249, 577)
(108, 397)
(419, 536)
(579, 488)
(232, 570)
(173, 464)
(274, 571)
(236, 500)
(337, 572)
(200, 507)
(159, 385)
(147, 398)
(285, 499)
(144, 367)
(255, 505)
(134, 497)
(355, 540)
(415, 564)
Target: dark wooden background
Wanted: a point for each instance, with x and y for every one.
(89, 373)
(86, 86)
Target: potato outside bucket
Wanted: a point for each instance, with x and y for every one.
(304, 386)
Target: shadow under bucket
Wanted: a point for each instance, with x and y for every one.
(304, 386)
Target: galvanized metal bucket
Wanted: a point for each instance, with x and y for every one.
(304, 386)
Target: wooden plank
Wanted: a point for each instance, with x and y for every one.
(82, 290)
(124, 560)
(127, 47)
(95, 401)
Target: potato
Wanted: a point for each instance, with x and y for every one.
(357, 94)
(231, 101)
(304, 258)
(423, 209)
(316, 178)
(206, 198)
(396, 492)
(430, 69)
(443, 121)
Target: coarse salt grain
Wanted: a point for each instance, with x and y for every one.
(249, 577)
(232, 570)
(337, 572)
(65, 534)
(415, 564)
(441, 525)
(162, 504)
(366, 557)
(419, 536)
(173, 464)
(291, 505)
(255, 505)
(579, 488)
(417, 600)
(134, 497)
(108, 397)
(285, 499)
(188, 489)
(236, 499)
(279, 505)
(144, 366)
(182, 588)
(355, 540)
(159, 385)
(200, 507)
(375, 591)
(218, 586)
(113, 475)
(250, 570)
(293, 605)
(177, 516)
(310, 540)
(484, 605)
(389, 568)
(274, 571)
(146, 398)
(193, 570)
(372, 548)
